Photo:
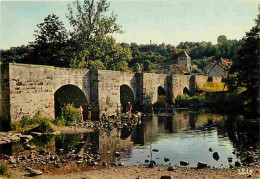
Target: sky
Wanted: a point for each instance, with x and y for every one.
(161, 21)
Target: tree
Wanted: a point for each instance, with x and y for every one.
(50, 42)
(222, 39)
(91, 27)
(246, 65)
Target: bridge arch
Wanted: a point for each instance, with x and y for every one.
(161, 92)
(126, 95)
(68, 94)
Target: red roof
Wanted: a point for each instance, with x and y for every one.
(183, 54)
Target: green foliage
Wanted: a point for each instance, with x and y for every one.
(195, 101)
(69, 115)
(37, 123)
(196, 70)
(244, 73)
(50, 42)
(4, 169)
(137, 68)
(161, 103)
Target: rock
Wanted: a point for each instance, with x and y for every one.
(104, 163)
(231, 165)
(60, 150)
(79, 161)
(36, 133)
(166, 177)
(166, 159)
(184, 163)
(94, 163)
(28, 169)
(155, 150)
(146, 161)
(171, 168)
(121, 164)
(117, 154)
(27, 147)
(201, 165)
(29, 137)
(237, 164)
(36, 172)
(211, 149)
(216, 156)
(230, 159)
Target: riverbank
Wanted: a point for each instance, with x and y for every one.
(133, 172)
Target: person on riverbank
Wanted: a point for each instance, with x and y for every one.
(89, 111)
(129, 109)
(118, 114)
(81, 114)
(151, 107)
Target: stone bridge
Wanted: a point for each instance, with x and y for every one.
(29, 89)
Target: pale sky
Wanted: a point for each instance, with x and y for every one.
(162, 21)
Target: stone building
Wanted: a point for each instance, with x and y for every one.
(217, 67)
(184, 60)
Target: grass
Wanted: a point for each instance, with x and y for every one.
(38, 123)
(213, 87)
(4, 170)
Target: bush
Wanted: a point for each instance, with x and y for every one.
(161, 103)
(37, 123)
(197, 101)
(3, 169)
(69, 115)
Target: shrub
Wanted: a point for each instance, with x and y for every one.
(37, 123)
(187, 101)
(3, 169)
(161, 102)
(69, 115)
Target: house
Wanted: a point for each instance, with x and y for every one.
(184, 60)
(217, 67)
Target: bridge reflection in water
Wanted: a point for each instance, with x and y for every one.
(184, 135)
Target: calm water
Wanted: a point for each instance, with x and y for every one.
(184, 135)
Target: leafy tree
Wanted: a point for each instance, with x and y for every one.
(50, 42)
(222, 38)
(246, 65)
(147, 66)
(91, 27)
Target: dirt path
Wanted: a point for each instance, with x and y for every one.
(155, 173)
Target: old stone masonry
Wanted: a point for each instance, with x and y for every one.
(28, 89)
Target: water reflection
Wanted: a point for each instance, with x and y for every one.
(184, 135)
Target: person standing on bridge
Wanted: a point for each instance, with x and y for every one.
(129, 109)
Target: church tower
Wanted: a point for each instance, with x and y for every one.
(184, 60)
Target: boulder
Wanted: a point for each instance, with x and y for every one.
(216, 156)
(121, 164)
(237, 164)
(35, 172)
(171, 168)
(201, 165)
(211, 149)
(166, 159)
(184, 163)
